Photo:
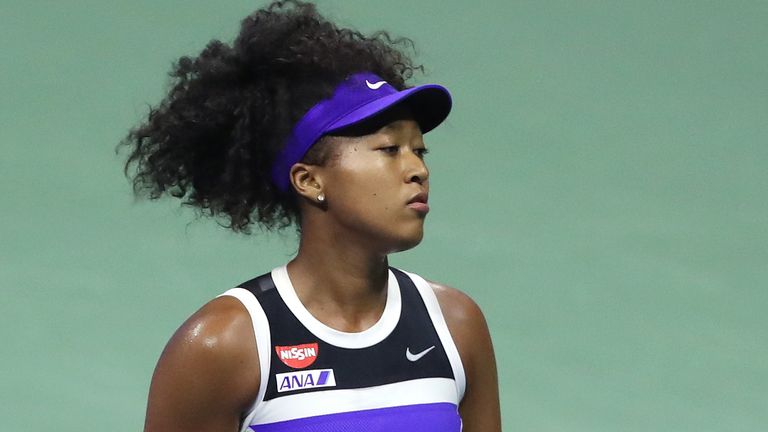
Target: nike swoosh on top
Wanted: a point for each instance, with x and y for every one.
(415, 357)
(374, 86)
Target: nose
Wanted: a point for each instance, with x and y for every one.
(416, 171)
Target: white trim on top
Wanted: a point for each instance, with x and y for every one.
(414, 392)
(263, 345)
(363, 339)
(433, 307)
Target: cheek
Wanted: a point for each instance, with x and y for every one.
(369, 190)
(364, 184)
(364, 170)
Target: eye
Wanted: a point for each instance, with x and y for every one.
(421, 152)
(390, 149)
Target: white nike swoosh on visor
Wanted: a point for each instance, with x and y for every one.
(414, 357)
(374, 86)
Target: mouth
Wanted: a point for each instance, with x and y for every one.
(419, 203)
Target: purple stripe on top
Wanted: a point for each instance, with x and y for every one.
(433, 417)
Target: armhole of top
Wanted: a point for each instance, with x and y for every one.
(263, 344)
(436, 314)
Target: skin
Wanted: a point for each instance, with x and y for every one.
(207, 377)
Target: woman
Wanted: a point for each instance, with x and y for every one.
(300, 122)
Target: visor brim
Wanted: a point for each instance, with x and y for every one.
(430, 105)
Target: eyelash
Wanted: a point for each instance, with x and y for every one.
(390, 149)
(421, 152)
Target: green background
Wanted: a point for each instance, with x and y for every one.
(600, 189)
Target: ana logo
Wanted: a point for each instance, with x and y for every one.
(374, 86)
(291, 381)
(298, 356)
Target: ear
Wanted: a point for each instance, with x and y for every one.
(306, 180)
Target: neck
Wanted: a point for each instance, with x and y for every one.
(341, 283)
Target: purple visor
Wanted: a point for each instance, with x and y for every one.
(359, 97)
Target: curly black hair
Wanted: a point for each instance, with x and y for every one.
(211, 141)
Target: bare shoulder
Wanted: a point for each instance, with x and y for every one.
(220, 330)
(480, 410)
(457, 307)
(466, 323)
(208, 373)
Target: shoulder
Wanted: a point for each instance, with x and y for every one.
(480, 409)
(221, 330)
(465, 321)
(208, 370)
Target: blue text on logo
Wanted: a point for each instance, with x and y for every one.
(305, 379)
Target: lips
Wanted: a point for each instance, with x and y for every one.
(419, 203)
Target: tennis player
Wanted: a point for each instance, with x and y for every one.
(301, 123)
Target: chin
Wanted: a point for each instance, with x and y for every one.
(409, 241)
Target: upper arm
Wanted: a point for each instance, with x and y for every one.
(480, 410)
(208, 373)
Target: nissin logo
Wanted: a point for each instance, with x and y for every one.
(290, 381)
(298, 356)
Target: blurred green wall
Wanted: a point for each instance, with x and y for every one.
(600, 189)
